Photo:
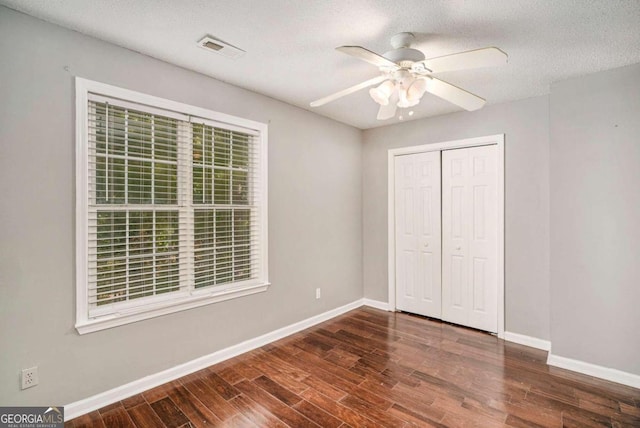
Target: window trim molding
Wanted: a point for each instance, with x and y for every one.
(196, 298)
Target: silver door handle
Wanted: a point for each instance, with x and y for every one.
(458, 248)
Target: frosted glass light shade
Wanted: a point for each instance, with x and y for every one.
(404, 101)
(416, 90)
(382, 93)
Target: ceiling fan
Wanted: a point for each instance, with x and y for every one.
(406, 75)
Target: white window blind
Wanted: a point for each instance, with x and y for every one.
(175, 208)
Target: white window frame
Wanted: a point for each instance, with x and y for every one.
(170, 302)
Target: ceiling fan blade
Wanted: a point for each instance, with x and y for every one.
(388, 111)
(453, 94)
(366, 55)
(342, 93)
(485, 57)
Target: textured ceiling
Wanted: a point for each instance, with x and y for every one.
(290, 43)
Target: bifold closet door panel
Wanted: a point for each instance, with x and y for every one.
(469, 237)
(418, 234)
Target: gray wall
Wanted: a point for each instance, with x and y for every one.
(314, 218)
(595, 218)
(328, 200)
(526, 126)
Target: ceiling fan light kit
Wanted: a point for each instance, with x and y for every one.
(406, 75)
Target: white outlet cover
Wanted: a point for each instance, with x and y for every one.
(29, 377)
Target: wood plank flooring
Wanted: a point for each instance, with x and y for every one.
(370, 368)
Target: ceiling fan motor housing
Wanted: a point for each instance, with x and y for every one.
(402, 54)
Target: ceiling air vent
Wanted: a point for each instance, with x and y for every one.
(220, 47)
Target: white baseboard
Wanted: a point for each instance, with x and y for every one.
(594, 370)
(522, 339)
(376, 304)
(98, 401)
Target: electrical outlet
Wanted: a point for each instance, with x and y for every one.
(29, 377)
(317, 293)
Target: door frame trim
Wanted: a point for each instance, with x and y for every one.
(497, 140)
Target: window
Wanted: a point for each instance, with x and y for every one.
(171, 206)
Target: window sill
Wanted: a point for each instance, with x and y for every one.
(168, 307)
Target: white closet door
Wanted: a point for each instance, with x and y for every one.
(469, 245)
(418, 236)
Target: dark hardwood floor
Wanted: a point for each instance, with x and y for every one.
(370, 368)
